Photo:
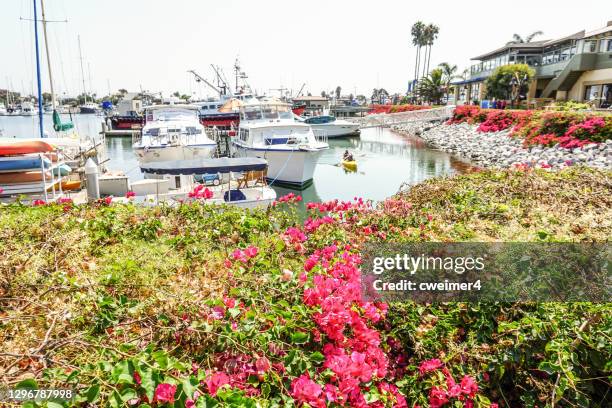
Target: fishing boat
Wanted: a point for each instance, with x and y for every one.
(247, 190)
(172, 132)
(332, 126)
(267, 130)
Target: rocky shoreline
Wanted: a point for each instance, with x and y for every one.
(497, 149)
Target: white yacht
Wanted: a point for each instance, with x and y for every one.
(267, 130)
(172, 132)
(28, 109)
(332, 126)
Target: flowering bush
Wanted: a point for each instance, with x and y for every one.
(190, 306)
(568, 129)
(377, 109)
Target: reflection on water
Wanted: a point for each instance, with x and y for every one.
(385, 160)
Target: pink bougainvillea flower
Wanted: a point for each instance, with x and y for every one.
(251, 251)
(130, 194)
(239, 255)
(1, 190)
(229, 302)
(469, 386)
(227, 263)
(108, 200)
(216, 381)
(263, 365)
(37, 203)
(164, 393)
(430, 365)
(306, 391)
(137, 378)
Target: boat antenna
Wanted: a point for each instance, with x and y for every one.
(40, 106)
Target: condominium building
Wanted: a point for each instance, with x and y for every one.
(577, 67)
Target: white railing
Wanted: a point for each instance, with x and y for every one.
(390, 119)
(320, 135)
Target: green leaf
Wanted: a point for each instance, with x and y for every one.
(161, 358)
(28, 384)
(53, 404)
(299, 337)
(93, 393)
(317, 357)
(122, 373)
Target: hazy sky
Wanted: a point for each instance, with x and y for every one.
(356, 44)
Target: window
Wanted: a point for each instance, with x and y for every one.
(606, 96)
(591, 92)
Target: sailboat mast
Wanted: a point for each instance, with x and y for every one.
(82, 71)
(44, 23)
(40, 106)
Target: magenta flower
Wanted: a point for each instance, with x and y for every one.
(430, 365)
(216, 381)
(130, 194)
(251, 251)
(164, 393)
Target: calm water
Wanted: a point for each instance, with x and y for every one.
(385, 160)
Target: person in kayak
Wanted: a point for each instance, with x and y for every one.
(348, 156)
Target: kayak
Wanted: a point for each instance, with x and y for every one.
(62, 170)
(34, 146)
(17, 163)
(69, 185)
(23, 177)
(349, 165)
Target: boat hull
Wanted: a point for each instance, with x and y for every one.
(293, 167)
(83, 109)
(179, 152)
(337, 130)
(15, 148)
(126, 122)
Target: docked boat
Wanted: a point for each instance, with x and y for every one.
(89, 108)
(332, 126)
(234, 181)
(3, 110)
(267, 130)
(172, 132)
(28, 109)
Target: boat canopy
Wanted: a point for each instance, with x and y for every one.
(318, 120)
(204, 166)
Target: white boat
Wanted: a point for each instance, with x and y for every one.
(89, 107)
(172, 132)
(175, 181)
(332, 126)
(28, 109)
(3, 110)
(267, 130)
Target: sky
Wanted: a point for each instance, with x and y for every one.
(357, 45)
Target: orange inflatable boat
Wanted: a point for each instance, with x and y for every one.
(34, 146)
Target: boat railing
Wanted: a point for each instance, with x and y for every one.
(320, 135)
(167, 138)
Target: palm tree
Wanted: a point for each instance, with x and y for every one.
(448, 74)
(417, 31)
(431, 88)
(431, 34)
(338, 91)
(517, 39)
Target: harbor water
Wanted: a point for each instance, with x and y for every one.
(385, 160)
